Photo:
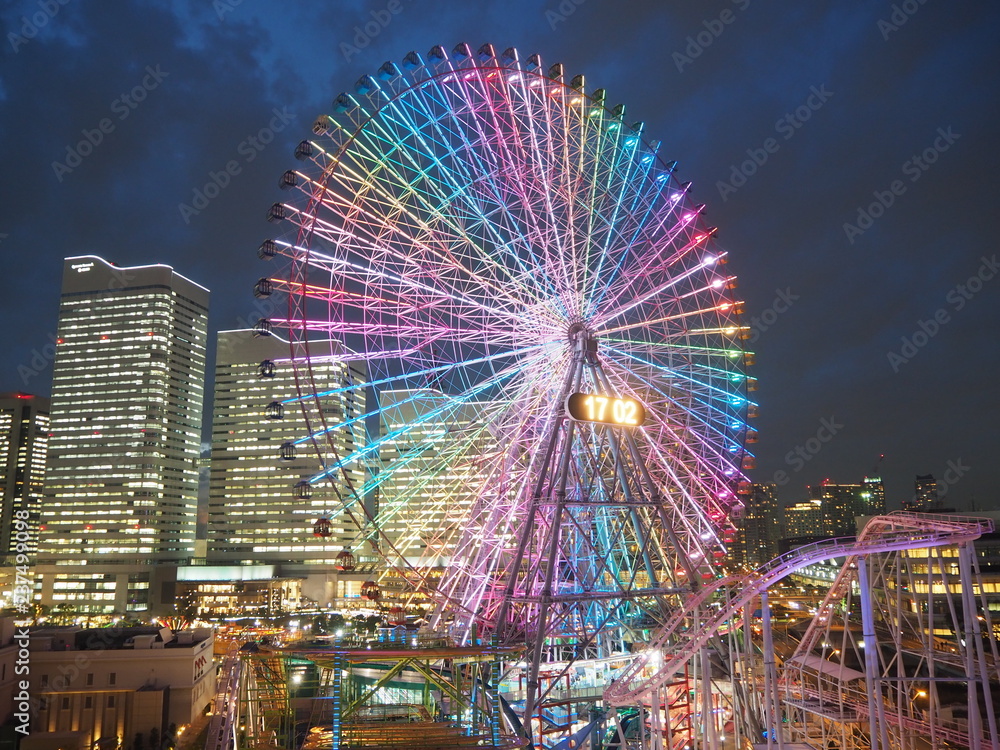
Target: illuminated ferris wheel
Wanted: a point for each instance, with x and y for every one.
(545, 388)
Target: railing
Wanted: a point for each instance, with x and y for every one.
(952, 731)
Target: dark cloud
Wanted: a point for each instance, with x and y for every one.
(230, 65)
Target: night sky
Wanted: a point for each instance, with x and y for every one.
(875, 326)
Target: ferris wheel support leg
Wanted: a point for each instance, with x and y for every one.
(641, 537)
(987, 674)
(974, 649)
(772, 707)
(572, 376)
(651, 488)
(545, 604)
(876, 709)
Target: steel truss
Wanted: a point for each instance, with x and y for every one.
(905, 622)
(401, 692)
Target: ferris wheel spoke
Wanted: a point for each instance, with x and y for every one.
(709, 385)
(716, 425)
(669, 283)
(483, 174)
(369, 229)
(528, 184)
(366, 243)
(634, 280)
(449, 403)
(693, 444)
(645, 226)
(618, 252)
(421, 376)
(403, 291)
(461, 180)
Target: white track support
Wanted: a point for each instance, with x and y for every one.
(876, 715)
(973, 648)
(775, 736)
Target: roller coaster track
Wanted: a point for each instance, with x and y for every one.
(689, 629)
(221, 729)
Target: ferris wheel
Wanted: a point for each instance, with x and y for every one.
(545, 394)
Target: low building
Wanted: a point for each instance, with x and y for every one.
(115, 683)
(250, 590)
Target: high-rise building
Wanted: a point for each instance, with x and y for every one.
(121, 488)
(925, 494)
(428, 442)
(261, 508)
(758, 531)
(872, 497)
(24, 437)
(841, 504)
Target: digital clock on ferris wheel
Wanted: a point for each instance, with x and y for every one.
(613, 410)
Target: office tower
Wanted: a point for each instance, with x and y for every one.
(758, 530)
(872, 497)
(24, 436)
(121, 485)
(261, 511)
(841, 504)
(925, 494)
(434, 479)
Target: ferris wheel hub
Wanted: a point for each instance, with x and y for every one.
(578, 331)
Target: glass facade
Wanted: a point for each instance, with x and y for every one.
(127, 400)
(256, 514)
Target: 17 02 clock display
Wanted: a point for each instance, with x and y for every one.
(615, 410)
